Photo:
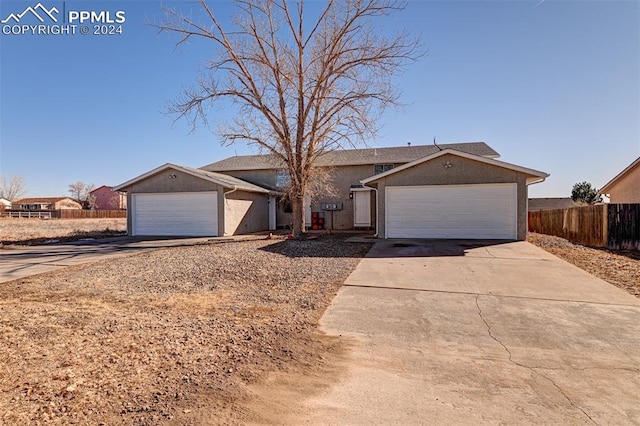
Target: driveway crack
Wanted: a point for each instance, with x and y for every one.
(531, 369)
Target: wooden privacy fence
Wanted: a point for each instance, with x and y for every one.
(584, 225)
(92, 214)
(615, 226)
(65, 214)
(623, 222)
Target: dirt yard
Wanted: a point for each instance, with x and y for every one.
(620, 268)
(172, 336)
(32, 231)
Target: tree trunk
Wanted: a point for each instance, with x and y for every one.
(297, 204)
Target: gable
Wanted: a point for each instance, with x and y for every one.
(167, 178)
(103, 189)
(455, 167)
(449, 170)
(630, 175)
(170, 180)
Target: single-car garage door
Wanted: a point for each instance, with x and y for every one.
(175, 214)
(487, 211)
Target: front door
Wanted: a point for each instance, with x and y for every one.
(362, 208)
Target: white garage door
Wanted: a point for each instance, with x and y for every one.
(175, 214)
(452, 211)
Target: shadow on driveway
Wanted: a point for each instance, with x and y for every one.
(428, 248)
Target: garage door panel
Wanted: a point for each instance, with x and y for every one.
(175, 214)
(452, 211)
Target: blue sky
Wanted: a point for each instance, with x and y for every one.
(551, 85)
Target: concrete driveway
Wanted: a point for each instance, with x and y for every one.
(22, 261)
(472, 333)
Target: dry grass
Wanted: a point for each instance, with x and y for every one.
(166, 337)
(26, 231)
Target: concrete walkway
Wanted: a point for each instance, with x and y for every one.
(22, 261)
(471, 333)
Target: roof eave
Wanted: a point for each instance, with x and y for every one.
(534, 180)
(605, 189)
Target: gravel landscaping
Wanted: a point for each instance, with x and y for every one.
(618, 267)
(169, 336)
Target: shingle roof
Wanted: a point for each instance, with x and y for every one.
(41, 200)
(100, 187)
(536, 204)
(226, 180)
(350, 157)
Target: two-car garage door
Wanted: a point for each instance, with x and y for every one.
(175, 214)
(487, 211)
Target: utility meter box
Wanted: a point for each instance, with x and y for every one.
(331, 206)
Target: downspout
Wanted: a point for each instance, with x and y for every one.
(224, 195)
(377, 211)
(235, 188)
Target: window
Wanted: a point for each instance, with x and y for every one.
(381, 168)
(282, 178)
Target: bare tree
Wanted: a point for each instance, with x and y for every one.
(13, 188)
(302, 87)
(82, 192)
(92, 202)
(117, 201)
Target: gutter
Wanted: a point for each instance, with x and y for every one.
(539, 180)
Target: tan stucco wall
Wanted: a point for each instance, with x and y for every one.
(264, 178)
(341, 179)
(246, 212)
(462, 171)
(627, 188)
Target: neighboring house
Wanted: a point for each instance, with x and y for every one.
(108, 199)
(5, 204)
(448, 191)
(625, 187)
(552, 203)
(47, 203)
